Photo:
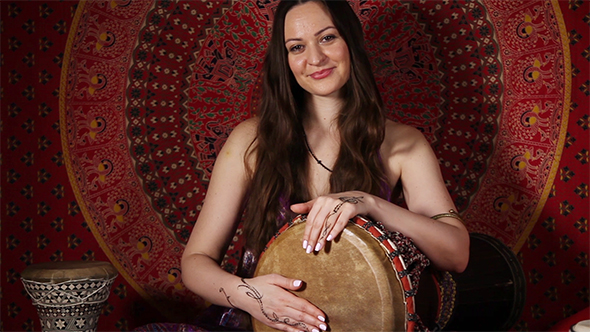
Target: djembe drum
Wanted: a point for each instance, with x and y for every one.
(490, 294)
(362, 282)
(354, 280)
(70, 295)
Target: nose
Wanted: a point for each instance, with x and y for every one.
(316, 55)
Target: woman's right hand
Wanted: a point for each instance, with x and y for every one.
(266, 298)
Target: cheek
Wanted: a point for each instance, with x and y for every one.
(295, 65)
(346, 55)
(341, 55)
(345, 62)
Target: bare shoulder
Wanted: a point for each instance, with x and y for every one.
(241, 137)
(245, 131)
(236, 147)
(401, 139)
(403, 147)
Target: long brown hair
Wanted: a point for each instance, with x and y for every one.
(280, 174)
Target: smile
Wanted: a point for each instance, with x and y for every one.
(318, 75)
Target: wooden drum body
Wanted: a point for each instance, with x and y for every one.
(491, 292)
(488, 296)
(69, 296)
(354, 279)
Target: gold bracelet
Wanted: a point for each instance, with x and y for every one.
(451, 214)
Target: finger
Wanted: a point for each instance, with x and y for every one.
(284, 282)
(303, 311)
(285, 324)
(295, 328)
(339, 226)
(296, 309)
(291, 319)
(309, 223)
(302, 208)
(321, 221)
(303, 320)
(287, 328)
(319, 234)
(335, 222)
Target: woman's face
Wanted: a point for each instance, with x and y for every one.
(317, 54)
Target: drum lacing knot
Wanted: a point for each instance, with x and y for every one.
(393, 254)
(369, 224)
(410, 293)
(403, 273)
(382, 238)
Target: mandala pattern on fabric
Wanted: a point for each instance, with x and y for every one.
(151, 91)
(126, 145)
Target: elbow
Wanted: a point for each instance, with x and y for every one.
(184, 267)
(194, 266)
(461, 252)
(461, 258)
(189, 265)
(456, 258)
(456, 265)
(455, 262)
(461, 263)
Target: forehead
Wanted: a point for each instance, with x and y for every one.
(306, 18)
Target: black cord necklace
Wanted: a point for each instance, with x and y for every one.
(313, 155)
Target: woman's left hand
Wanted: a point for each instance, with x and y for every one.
(328, 215)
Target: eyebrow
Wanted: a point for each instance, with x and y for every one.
(315, 34)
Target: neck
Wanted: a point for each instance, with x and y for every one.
(322, 137)
(322, 113)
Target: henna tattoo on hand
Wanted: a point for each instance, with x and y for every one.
(273, 317)
(221, 290)
(327, 228)
(345, 199)
(353, 199)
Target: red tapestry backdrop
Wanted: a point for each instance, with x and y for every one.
(150, 91)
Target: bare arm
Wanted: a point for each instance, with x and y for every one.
(218, 220)
(445, 241)
(265, 297)
(407, 157)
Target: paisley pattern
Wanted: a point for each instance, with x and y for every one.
(151, 90)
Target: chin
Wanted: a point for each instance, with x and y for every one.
(325, 92)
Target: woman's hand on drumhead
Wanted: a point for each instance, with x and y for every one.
(269, 302)
(328, 215)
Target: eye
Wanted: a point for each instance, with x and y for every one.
(328, 38)
(296, 48)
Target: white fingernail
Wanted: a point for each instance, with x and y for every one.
(321, 318)
(304, 244)
(323, 327)
(318, 247)
(308, 250)
(297, 283)
(315, 330)
(329, 238)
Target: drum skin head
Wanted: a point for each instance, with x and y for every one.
(56, 272)
(352, 280)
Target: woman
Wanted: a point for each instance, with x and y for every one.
(320, 146)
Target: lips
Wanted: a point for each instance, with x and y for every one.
(318, 75)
